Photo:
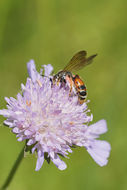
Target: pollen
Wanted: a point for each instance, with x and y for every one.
(39, 83)
(71, 123)
(28, 103)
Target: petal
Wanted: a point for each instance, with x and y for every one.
(99, 150)
(20, 139)
(23, 87)
(30, 142)
(40, 161)
(5, 113)
(98, 128)
(31, 68)
(9, 123)
(28, 132)
(7, 100)
(15, 130)
(59, 163)
(48, 69)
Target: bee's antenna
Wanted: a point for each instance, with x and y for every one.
(45, 76)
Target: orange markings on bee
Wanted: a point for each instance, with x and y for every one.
(78, 82)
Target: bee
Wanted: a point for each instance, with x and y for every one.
(78, 61)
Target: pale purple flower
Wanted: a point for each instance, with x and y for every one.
(52, 121)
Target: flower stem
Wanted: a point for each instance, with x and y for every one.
(13, 170)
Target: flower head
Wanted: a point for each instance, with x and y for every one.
(52, 122)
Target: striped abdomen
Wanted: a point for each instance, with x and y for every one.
(81, 88)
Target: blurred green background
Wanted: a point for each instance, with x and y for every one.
(52, 31)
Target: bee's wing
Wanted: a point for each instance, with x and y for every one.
(79, 61)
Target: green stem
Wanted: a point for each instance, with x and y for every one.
(13, 170)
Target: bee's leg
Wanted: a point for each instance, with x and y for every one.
(70, 89)
(70, 82)
(58, 81)
(81, 101)
(62, 81)
(52, 81)
(55, 80)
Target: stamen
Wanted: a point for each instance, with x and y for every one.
(39, 83)
(71, 123)
(28, 103)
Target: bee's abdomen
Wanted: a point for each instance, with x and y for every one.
(82, 87)
(82, 92)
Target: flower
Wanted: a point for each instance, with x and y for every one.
(52, 122)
